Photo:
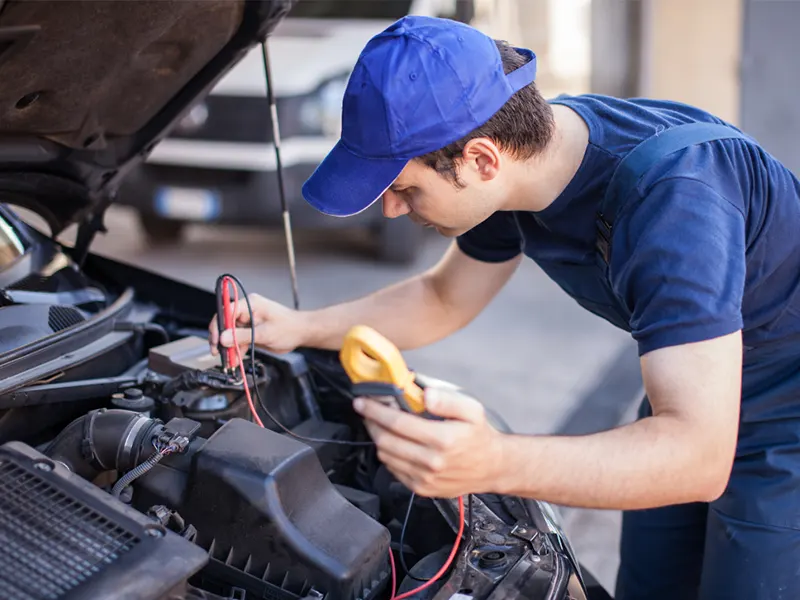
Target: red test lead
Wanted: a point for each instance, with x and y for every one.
(225, 320)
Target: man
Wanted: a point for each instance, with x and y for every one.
(693, 251)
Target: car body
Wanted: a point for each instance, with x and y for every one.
(131, 465)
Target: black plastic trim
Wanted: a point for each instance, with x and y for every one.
(71, 345)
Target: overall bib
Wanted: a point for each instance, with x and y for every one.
(746, 545)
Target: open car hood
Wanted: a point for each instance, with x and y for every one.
(90, 87)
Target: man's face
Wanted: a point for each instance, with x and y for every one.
(432, 200)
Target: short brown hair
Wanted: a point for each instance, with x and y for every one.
(523, 126)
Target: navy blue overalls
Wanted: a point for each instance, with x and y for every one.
(746, 545)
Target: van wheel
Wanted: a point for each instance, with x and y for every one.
(159, 230)
(399, 241)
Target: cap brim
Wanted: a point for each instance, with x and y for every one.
(345, 184)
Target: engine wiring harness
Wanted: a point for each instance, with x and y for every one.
(237, 370)
(174, 438)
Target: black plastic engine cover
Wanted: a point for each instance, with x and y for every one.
(262, 503)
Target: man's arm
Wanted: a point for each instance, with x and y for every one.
(420, 310)
(679, 262)
(683, 453)
(680, 265)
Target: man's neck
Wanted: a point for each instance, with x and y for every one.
(538, 181)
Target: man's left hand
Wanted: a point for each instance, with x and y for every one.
(439, 459)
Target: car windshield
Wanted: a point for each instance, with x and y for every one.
(11, 247)
(351, 9)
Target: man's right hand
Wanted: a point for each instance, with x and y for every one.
(278, 329)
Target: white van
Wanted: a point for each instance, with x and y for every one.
(218, 165)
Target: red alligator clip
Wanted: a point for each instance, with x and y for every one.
(225, 320)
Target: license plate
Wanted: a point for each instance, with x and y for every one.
(187, 204)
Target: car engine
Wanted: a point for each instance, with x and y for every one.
(274, 516)
(131, 466)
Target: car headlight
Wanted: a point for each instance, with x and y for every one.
(551, 516)
(321, 113)
(553, 519)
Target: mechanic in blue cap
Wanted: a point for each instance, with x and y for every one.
(655, 215)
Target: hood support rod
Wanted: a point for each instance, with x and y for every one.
(276, 136)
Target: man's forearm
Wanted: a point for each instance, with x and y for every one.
(653, 462)
(420, 310)
(410, 313)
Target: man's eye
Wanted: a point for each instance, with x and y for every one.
(406, 194)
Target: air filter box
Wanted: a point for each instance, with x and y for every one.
(61, 537)
(263, 506)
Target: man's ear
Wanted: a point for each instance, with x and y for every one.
(482, 156)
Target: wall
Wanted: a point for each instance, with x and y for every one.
(615, 47)
(691, 53)
(770, 85)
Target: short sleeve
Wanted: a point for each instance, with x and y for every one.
(678, 263)
(496, 239)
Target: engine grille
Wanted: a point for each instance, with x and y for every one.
(50, 543)
(63, 317)
(62, 538)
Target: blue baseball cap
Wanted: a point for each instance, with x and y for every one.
(419, 85)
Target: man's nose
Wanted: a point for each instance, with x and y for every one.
(394, 206)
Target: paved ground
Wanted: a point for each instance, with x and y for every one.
(534, 355)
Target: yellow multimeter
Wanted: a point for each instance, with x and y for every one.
(376, 368)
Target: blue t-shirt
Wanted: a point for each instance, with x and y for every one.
(709, 243)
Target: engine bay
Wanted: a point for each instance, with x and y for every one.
(114, 412)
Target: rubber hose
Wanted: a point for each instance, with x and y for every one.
(104, 440)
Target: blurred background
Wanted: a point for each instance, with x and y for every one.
(208, 198)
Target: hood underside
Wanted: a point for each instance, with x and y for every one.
(88, 87)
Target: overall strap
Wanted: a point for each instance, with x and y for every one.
(631, 168)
